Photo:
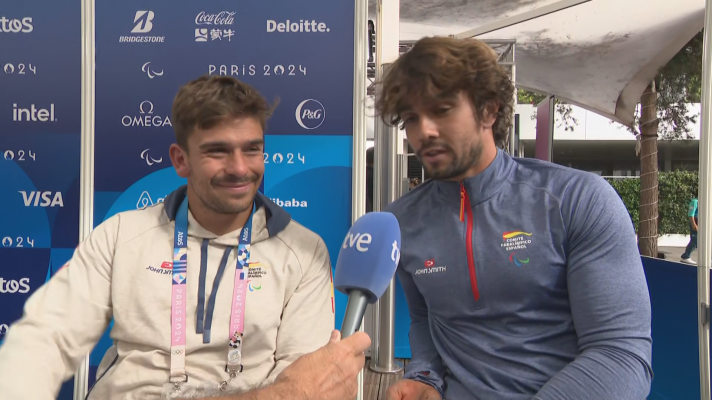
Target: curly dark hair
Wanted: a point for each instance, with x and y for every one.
(439, 68)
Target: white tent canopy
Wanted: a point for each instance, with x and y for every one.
(599, 55)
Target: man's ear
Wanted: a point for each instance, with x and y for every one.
(179, 159)
(489, 115)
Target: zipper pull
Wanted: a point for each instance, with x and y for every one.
(462, 202)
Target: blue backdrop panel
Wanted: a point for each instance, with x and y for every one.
(297, 54)
(673, 297)
(40, 75)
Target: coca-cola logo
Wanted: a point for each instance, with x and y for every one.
(221, 18)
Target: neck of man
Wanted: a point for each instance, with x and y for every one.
(216, 223)
(489, 153)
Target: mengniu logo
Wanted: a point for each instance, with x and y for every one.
(516, 242)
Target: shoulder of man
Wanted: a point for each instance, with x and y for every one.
(302, 241)
(131, 224)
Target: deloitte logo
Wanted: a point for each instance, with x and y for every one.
(301, 26)
(294, 203)
(310, 114)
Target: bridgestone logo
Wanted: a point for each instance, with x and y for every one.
(142, 39)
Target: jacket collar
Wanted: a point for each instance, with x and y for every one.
(269, 220)
(481, 186)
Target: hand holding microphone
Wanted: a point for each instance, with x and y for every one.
(366, 264)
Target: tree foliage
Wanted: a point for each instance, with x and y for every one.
(677, 188)
(565, 111)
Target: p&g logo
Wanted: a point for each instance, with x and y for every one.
(310, 114)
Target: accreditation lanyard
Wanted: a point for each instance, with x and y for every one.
(178, 299)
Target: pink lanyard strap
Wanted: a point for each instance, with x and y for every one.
(178, 300)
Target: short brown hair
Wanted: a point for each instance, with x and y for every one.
(211, 100)
(440, 67)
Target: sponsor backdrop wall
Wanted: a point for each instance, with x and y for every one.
(300, 53)
(40, 100)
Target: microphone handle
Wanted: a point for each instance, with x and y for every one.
(355, 310)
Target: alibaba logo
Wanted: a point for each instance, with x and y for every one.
(509, 235)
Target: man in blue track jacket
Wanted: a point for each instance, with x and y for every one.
(523, 277)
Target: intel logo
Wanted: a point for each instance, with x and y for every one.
(310, 114)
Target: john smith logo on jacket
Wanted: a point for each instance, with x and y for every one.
(516, 243)
(430, 268)
(166, 268)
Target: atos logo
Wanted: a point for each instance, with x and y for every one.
(23, 25)
(310, 114)
(42, 199)
(9, 286)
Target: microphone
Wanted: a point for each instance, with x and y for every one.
(367, 261)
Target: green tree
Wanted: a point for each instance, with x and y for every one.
(664, 114)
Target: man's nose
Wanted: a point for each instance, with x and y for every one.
(428, 128)
(237, 164)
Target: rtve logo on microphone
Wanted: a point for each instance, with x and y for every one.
(361, 241)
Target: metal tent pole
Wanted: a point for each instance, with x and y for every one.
(86, 174)
(704, 192)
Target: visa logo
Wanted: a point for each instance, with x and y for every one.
(42, 199)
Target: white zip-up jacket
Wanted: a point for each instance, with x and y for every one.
(121, 271)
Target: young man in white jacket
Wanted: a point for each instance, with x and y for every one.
(215, 290)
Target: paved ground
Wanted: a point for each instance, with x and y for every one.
(674, 253)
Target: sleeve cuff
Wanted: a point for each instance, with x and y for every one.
(428, 377)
